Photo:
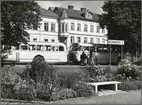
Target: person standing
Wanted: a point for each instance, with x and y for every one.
(118, 59)
(94, 57)
(83, 57)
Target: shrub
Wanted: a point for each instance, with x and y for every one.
(67, 93)
(55, 94)
(43, 92)
(13, 86)
(45, 77)
(67, 79)
(98, 74)
(38, 69)
(127, 85)
(82, 89)
(137, 61)
(63, 93)
(25, 90)
(126, 71)
(9, 79)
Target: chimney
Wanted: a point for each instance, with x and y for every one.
(70, 7)
(83, 9)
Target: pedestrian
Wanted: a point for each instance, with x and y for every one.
(83, 57)
(94, 57)
(118, 59)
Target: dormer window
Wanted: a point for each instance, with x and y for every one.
(88, 15)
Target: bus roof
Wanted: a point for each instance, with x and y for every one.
(82, 44)
(47, 43)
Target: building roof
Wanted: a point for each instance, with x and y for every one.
(47, 13)
(51, 8)
(64, 14)
(76, 14)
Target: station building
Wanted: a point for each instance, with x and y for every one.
(68, 26)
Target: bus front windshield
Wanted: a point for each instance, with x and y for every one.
(76, 48)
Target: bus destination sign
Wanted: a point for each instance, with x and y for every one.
(116, 42)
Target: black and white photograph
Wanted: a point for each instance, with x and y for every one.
(70, 52)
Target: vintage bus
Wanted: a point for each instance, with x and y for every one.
(50, 52)
(76, 49)
(103, 51)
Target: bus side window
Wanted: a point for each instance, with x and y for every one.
(53, 48)
(56, 48)
(39, 47)
(105, 49)
(99, 49)
(32, 47)
(47, 48)
(61, 48)
(24, 47)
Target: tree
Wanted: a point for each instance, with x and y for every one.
(123, 21)
(16, 17)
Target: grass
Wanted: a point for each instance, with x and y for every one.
(132, 97)
(63, 68)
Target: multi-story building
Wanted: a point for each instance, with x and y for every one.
(48, 28)
(69, 26)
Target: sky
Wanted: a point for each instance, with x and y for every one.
(94, 6)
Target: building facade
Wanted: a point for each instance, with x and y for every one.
(68, 26)
(47, 30)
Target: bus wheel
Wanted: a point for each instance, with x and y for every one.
(76, 62)
(38, 58)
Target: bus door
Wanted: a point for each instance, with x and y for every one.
(115, 51)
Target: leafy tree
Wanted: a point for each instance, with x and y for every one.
(123, 21)
(16, 17)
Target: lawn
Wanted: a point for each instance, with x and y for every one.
(131, 97)
(64, 68)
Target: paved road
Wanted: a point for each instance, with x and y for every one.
(132, 97)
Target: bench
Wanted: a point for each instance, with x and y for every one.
(96, 84)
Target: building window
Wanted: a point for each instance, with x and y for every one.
(103, 41)
(98, 29)
(72, 26)
(92, 40)
(91, 28)
(98, 40)
(66, 25)
(52, 40)
(62, 27)
(72, 39)
(46, 27)
(85, 28)
(78, 39)
(35, 39)
(103, 30)
(46, 40)
(78, 27)
(52, 27)
(85, 39)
